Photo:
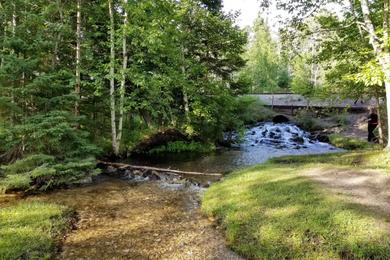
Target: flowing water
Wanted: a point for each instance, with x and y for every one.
(119, 219)
(258, 144)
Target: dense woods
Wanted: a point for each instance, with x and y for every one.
(79, 78)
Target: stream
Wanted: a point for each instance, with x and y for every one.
(123, 219)
(258, 144)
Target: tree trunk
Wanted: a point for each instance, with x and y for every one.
(387, 85)
(186, 105)
(380, 123)
(3, 51)
(59, 35)
(381, 52)
(78, 43)
(115, 146)
(123, 82)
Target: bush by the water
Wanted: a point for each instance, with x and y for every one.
(43, 172)
(183, 146)
(309, 122)
(251, 110)
(350, 143)
(48, 150)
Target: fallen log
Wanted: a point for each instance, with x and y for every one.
(214, 176)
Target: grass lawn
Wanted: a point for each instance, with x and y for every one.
(31, 230)
(272, 212)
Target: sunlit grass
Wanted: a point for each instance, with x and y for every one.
(369, 159)
(29, 230)
(271, 212)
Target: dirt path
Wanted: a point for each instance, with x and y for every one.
(370, 188)
(121, 221)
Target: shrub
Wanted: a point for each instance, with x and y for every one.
(350, 143)
(52, 151)
(28, 164)
(307, 121)
(251, 110)
(46, 175)
(183, 146)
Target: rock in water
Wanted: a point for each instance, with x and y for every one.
(298, 140)
(323, 138)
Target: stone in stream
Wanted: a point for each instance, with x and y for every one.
(137, 172)
(323, 138)
(85, 181)
(154, 176)
(110, 170)
(298, 140)
(129, 174)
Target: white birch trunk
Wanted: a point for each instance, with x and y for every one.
(78, 55)
(123, 82)
(185, 95)
(115, 146)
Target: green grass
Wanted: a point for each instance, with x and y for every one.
(351, 143)
(271, 212)
(371, 159)
(182, 147)
(30, 230)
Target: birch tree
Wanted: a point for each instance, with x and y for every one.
(123, 81)
(78, 57)
(115, 145)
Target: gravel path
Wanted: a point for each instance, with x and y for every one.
(119, 220)
(370, 188)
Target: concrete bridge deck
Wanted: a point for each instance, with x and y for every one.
(297, 101)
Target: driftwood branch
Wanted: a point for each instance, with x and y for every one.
(161, 170)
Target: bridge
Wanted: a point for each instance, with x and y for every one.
(295, 101)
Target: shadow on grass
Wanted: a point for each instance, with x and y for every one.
(271, 213)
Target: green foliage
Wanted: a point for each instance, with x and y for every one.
(33, 174)
(273, 212)
(28, 163)
(266, 70)
(309, 122)
(182, 146)
(301, 81)
(250, 110)
(30, 230)
(180, 74)
(14, 182)
(350, 143)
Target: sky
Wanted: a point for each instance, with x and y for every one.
(249, 10)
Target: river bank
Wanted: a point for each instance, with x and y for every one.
(118, 219)
(333, 206)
